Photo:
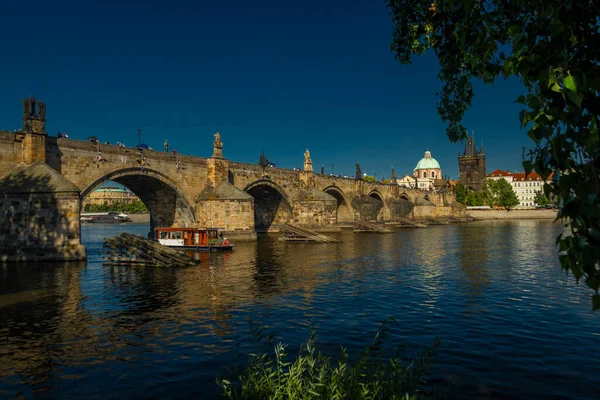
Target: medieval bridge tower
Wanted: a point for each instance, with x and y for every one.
(471, 165)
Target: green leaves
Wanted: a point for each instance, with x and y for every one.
(551, 48)
(571, 83)
(596, 302)
(461, 193)
(541, 199)
(310, 375)
(514, 30)
(576, 98)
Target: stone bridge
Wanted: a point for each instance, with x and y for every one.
(53, 175)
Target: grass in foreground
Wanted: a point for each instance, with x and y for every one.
(271, 373)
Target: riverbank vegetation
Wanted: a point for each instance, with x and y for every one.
(135, 207)
(551, 47)
(495, 193)
(273, 373)
(541, 199)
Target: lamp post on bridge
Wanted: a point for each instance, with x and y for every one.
(139, 137)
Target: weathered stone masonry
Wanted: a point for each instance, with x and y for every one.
(178, 190)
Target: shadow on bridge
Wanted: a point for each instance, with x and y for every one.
(270, 205)
(344, 211)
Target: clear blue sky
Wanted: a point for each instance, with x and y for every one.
(269, 75)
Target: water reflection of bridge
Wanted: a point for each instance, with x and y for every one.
(82, 316)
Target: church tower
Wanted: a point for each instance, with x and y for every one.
(471, 165)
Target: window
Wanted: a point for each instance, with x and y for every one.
(433, 174)
(424, 174)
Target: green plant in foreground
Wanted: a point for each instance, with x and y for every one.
(271, 374)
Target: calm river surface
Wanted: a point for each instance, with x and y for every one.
(513, 325)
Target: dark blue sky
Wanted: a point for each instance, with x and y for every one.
(270, 75)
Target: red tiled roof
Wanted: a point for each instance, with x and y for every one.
(499, 172)
(519, 176)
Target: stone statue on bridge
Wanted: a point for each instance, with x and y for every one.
(358, 172)
(29, 107)
(41, 110)
(217, 146)
(394, 176)
(34, 119)
(307, 161)
(26, 110)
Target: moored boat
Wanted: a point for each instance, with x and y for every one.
(192, 238)
(104, 217)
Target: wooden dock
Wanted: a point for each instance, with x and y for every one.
(294, 233)
(364, 226)
(407, 223)
(131, 250)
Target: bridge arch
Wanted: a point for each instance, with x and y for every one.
(380, 205)
(344, 210)
(401, 207)
(376, 195)
(271, 205)
(405, 197)
(165, 201)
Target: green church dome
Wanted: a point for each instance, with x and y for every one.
(427, 162)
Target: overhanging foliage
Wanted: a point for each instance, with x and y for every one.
(551, 46)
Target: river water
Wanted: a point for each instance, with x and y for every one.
(513, 324)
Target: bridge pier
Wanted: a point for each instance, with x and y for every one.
(314, 208)
(39, 216)
(39, 208)
(225, 206)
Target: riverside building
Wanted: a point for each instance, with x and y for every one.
(426, 174)
(109, 196)
(525, 186)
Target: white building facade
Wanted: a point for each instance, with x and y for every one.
(525, 186)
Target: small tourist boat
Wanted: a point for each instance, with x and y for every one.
(192, 238)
